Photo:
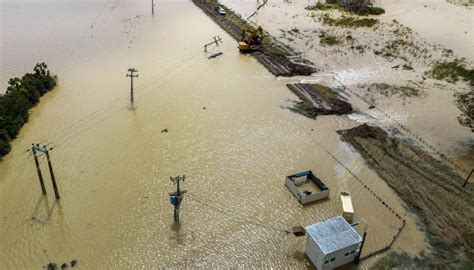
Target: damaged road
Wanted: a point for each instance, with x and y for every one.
(317, 100)
(270, 54)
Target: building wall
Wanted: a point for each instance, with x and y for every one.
(318, 258)
(314, 253)
(340, 257)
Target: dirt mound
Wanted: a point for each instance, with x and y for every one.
(318, 100)
(365, 131)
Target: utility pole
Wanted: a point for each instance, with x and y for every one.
(216, 41)
(357, 258)
(131, 75)
(152, 7)
(38, 169)
(45, 150)
(467, 179)
(53, 179)
(177, 197)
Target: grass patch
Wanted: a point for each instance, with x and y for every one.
(453, 71)
(465, 103)
(326, 39)
(349, 22)
(365, 10)
(322, 6)
(362, 10)
(390, 90)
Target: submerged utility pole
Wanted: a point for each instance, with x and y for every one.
(177, 197)
(38, 169)
(53, 179)
(357, 258)
(216, 41)
(45, 150)
(131, 75)
(152, 7)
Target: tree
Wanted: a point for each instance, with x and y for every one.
(22, 94)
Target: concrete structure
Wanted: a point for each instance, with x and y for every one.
(332, 243)
(306, 187)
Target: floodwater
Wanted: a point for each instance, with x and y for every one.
(229, 132)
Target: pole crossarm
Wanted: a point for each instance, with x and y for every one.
(216, 41)
(131, 75)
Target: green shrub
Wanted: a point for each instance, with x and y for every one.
(330, 40)
(296, 30)
(368, 10)
(453, 71)
(5, 146)
(22, 94)
(363, 10)
(351, 22)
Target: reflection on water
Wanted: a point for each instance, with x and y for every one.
(227, 132)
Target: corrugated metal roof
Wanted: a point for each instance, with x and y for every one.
(333, 234)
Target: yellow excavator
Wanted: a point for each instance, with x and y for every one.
(250, 40)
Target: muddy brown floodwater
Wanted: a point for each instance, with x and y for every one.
(229, 133)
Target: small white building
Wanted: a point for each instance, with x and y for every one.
(332, 243)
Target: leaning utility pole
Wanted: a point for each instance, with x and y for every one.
(45, 150)
(177, 197)
(131, 75)
(38, 169)
(216, 40)
(357, 258)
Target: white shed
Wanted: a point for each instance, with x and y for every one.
(347, 209)
(332, 243)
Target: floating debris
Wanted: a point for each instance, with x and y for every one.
(298, 231)
(214, 55)
(51, 266)
(164, 130)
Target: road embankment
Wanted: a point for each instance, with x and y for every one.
(430, 189)
(278, 59)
